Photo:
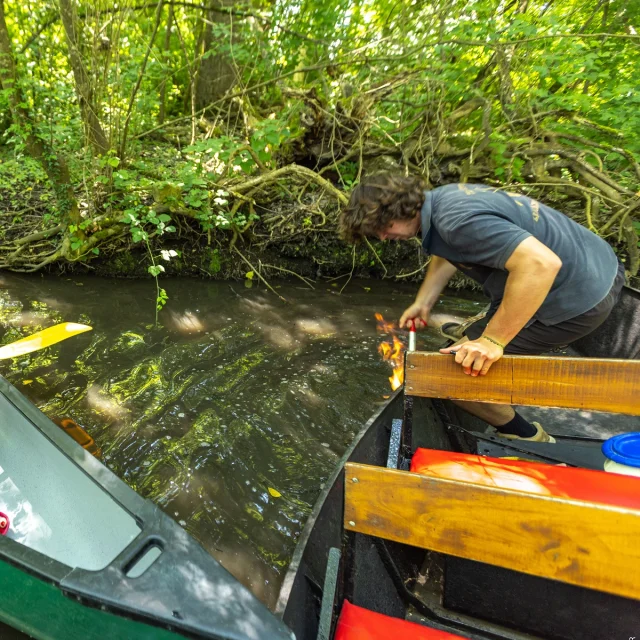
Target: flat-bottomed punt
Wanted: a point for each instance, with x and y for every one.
(434, 527)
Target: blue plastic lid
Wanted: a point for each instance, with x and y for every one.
(624, 449)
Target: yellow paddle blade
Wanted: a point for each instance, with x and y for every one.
(42, 339)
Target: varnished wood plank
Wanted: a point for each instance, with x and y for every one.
(581, 543)
(581, 383)
(573, 383)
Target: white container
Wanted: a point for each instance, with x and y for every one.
(615, 467)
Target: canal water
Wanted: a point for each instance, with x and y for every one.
(229, 414)
(232, 412)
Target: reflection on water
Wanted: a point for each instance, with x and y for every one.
(230, 415)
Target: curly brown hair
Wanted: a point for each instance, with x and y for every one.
(379, 200)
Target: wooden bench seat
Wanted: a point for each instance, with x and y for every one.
(575, 526)
(527, 529)
(573, 383)
(356, 623)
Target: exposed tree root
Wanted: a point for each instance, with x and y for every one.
(257, 273)
(298, 206)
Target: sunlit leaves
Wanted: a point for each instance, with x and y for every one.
(390, 73)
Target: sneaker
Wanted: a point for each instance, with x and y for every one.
(456, 330)
(452, 331)
(540, 436)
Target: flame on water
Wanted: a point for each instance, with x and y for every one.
(392, 351)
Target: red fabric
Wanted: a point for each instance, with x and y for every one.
(356, 623)
(532, 477)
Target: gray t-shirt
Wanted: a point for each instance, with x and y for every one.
(477, 228)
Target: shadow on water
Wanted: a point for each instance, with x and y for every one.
(232, 413)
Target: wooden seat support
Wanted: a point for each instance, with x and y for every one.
(578, 542)
(576, 383)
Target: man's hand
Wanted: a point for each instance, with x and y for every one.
(476, 356)
(418, 313)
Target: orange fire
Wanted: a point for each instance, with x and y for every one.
(392, 352)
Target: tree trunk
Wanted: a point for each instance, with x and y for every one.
(132, 99)
(216, 74)
(503, 56)
(93, 129)
(55, 167)
(165, 60)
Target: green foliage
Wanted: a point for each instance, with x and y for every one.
(438, 45)
(227, 154)
(161, 300)
(266, 138)
(76, 242)
(22, 179)
(315, 83)
(215, 262)
(145, 222)
(348, 173)
(498, 147)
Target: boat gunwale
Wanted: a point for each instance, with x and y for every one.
(299, 551)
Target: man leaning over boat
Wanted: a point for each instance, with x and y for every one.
(550, 280)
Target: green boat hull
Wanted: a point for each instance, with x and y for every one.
(40, 610)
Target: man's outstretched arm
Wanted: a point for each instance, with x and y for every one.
(439, 272)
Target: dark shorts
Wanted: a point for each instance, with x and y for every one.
(537, 338)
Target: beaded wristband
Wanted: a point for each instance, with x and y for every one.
(494, 341)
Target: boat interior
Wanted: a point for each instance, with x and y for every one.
(48, 507)
(437, 529)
